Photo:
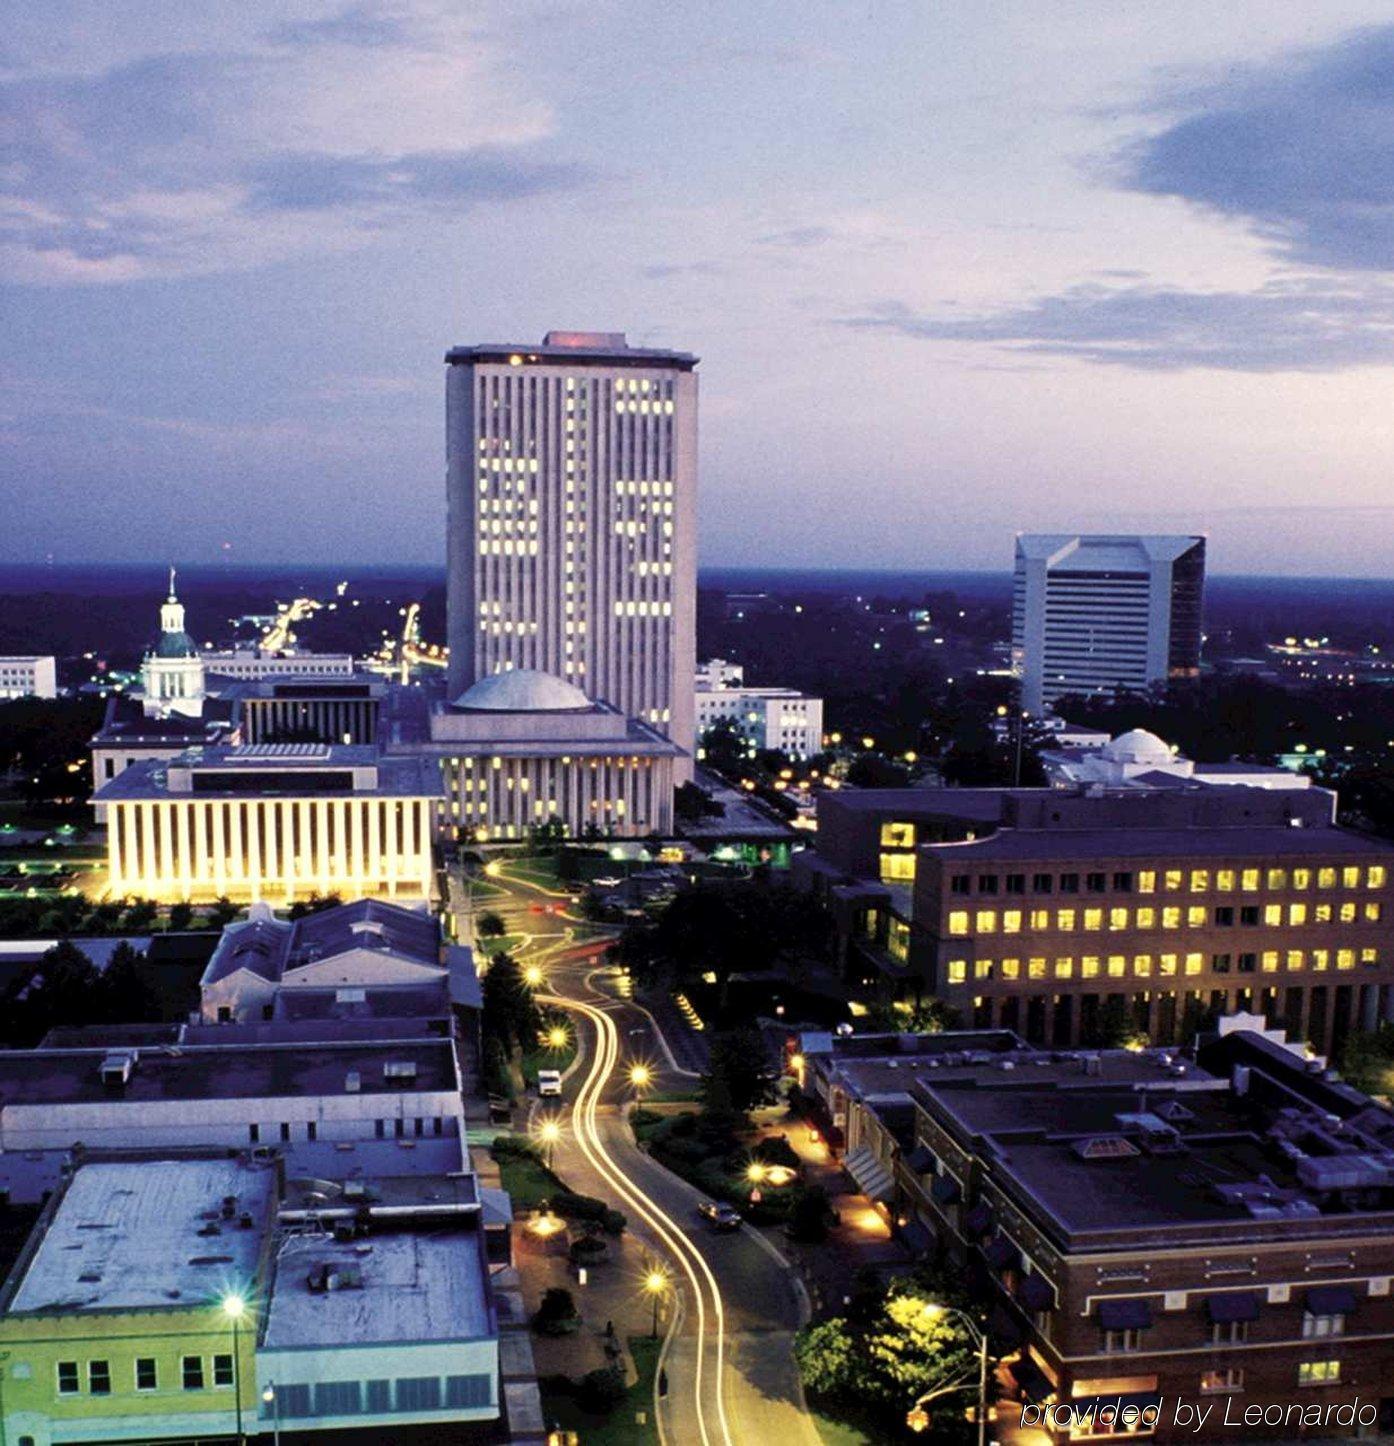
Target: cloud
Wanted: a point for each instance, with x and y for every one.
(797, 236)
(1308, 324)
(193, 161)
(1301, 150)
(662, 270)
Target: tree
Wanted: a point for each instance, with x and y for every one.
(140, 915)
(738, 1076)
(509, 1013)
(810, 1215)
(126, 996)
(724, 749)
(898, 1348)
(491, 925)
(315, 904)
(181, 915)
(223, 912)
(871, 770)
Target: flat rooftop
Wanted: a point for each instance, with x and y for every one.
(1221, 841)
(214, 1072)
(126, 1236)
(411, 1286)
(576, 348)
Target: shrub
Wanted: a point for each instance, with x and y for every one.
(556, 1313)
(517, 1146)
(601, 1390)
(587, 1250)
(588, 1209)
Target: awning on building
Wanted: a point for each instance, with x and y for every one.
(1035, 1384)
(1035, 1292)
(1232, 1305)
(1130, 1314)
(1330, 1300)
(1001, 1253)
(977, 1219)
(872, 1176)
(945, 1190)
(920, 1160)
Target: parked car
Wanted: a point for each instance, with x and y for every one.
(720, 1216)
(548, 1082)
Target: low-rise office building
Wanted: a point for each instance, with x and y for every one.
(1158, 1230)
(317, 708)
(272, 821)
(270, 663)
(1093, 915)
(781, 719)
(194, 1298)
(266, 968)
(131, 735)
(28, 677)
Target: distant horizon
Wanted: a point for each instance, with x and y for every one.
(775, 569)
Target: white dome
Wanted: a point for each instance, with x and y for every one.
(523, 690)
(1136, 746)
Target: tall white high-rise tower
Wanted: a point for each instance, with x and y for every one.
(572, 549)
(1101, 614)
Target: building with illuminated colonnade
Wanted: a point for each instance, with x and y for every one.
(521, 748)
(274, 821)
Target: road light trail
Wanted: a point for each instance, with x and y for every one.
(686, 1254)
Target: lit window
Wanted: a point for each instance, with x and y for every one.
(897, 835)
(1117, 919)
(1195, 916)
(1011, 921)
(1147, 881)
(1142, 966)
(1302, 878)
(1171, 917)
(1173, 880)
(1089, 966)
(1326, 878)
(1224, 880)
(1064, 967)
(1036, 968)
(1195, 963)
(958, 971)
(1166, 964)
(982, 969)
(1093, 920)
(1224, 1378)
(1040, 919)
(1011, 969)
(1117, 966)
(1269, 961)
(1372, 912)
(1296, 959)
(1297, 913)
(1200, 880)
(1272, 913)
(1375, 876)
(1347, 913)
(987, 921)
(1146, 918)
(1321, 913)
(1248, 880)
(1319, 1373)
(1345, 958)
(1065, 921)
(958, 921)
(1321, 959)
(1350, 877)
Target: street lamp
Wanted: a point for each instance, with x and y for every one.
(640, 1077)
(917, 1418)
(655, 1286)
(557, 1037)
(532, 976)
(274, 1401)
(235, 1309)
(549, 1132)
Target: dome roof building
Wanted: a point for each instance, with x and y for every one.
(523, 690)
(172, 673)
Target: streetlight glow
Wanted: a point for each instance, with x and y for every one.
(532, 976)
(640, 1076)
(234, 1307)
(557, 1036)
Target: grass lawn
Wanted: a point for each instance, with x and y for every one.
(844, 1433)
(500, 944)
(527, 1180)
(533, 871)
(621, 1427)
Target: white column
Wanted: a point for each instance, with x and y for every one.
(341, 848)
(372, 875)
(254, 865)
(391, 845)
(147, 846)
(237, 867)
(181, 819)
(219, 848)
(113, 847)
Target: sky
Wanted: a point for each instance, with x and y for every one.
(954, 270)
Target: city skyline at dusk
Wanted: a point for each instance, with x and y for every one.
(969, 272)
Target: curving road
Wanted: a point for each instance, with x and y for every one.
(729, 1363)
